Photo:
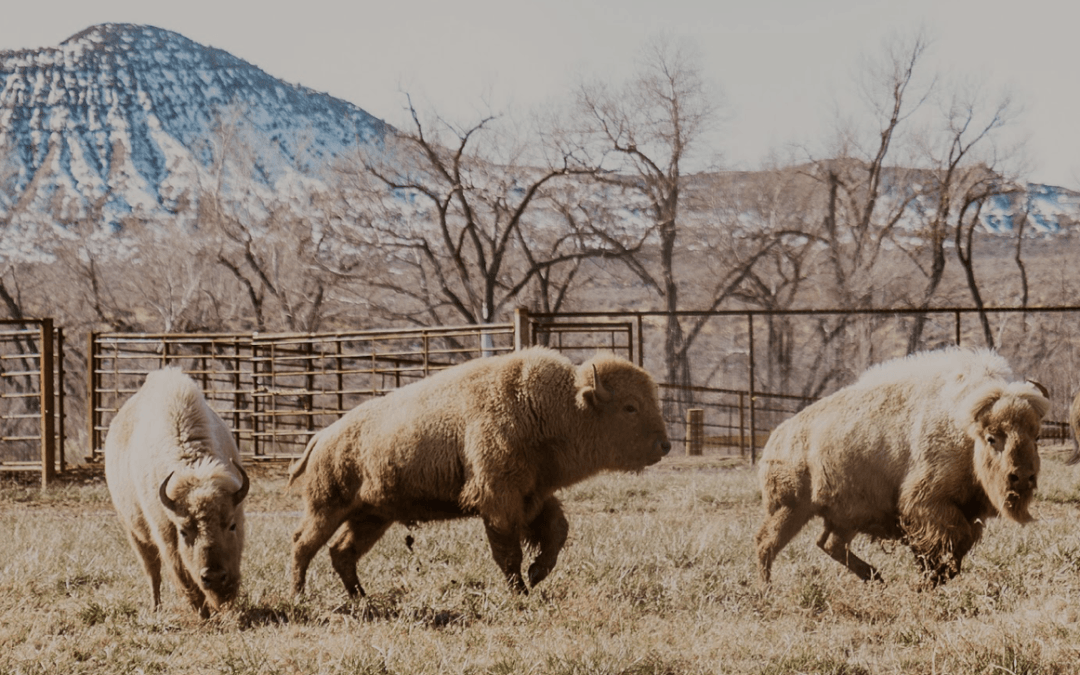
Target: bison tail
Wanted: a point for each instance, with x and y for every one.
(297, 467)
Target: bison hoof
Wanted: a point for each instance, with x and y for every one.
(517, 585)
(538, 573)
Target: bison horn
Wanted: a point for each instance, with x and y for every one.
(1040, 387)
(601, 394)
(239, 495)
(163, 495)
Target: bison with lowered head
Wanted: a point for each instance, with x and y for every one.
(493, 438)
(922, 449)
(175, 478)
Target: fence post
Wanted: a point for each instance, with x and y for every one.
(750, 393)
(742, 424)
(48, 423)
(695, 432)
(522, 338)
(61, 432)
(92, 393)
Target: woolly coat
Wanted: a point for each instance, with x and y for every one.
(494, 437)
(921, 449)
(166, 443)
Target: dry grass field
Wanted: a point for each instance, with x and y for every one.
(658, 577)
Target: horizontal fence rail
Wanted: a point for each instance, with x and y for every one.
(747, 371)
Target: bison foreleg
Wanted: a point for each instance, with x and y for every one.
(506, 549)
(940, 536)
(836, 544)
(151, 560)
(351, 543)
(547, 532)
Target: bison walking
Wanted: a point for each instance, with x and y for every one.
(922, 449)
(174, 474)
(494, 438)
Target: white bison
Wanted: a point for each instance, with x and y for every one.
(1074, 424)
(922, 449)
(494, 438)
(175, 478)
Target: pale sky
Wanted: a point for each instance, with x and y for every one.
(780, 64)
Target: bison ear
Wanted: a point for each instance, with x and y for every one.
(592, 394)
(977, 405)
(245, 484)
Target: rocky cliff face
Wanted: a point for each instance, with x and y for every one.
(128, 119)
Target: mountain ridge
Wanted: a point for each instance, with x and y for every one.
(126, 111)
(119, 120)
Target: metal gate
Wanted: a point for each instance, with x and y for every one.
(32, 397)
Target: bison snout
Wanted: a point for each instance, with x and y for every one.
(214, 577)
(665, 446)
(1021, 485)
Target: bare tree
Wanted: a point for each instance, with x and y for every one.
(271, 246)
(964, 157)
(648, 128)
(466, 219)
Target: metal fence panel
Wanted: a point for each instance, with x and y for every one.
(276, 391)
(31, 397)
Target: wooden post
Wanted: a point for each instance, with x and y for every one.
(522, 338)
(48, 423)
(695, 432)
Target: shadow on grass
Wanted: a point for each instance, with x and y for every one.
(369, 609)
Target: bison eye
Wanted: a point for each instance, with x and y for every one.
(188, 534)
(994, 441)
(630, 408)
(232, 528)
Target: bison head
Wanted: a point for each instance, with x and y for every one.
(623, 400)
(205, 507)
(1004, 422)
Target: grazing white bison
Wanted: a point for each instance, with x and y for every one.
(175, 478)
(494, 438)
(922, 449)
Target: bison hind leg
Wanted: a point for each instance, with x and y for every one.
(779, 528)
(547, 533)
(836, 543)
(351, 543)
(314, 531)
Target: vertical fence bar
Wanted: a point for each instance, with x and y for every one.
(750, 391)
(640, 341)
(742, 424)
(695, 432)
(61, 445)
(237, 396)
(92, 393)
(48, 428)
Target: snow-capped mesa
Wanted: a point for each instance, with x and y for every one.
(123, 120)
